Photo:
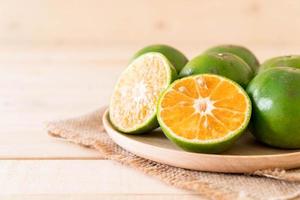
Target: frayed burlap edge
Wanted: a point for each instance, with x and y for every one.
(180, 178)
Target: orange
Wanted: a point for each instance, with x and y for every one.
(275, 95)
(240, 51)
(133, 104)
(204, 113)
(176, 57)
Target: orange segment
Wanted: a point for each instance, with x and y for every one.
(187, 87)
(230, 118)
(234, 102)
(204, 107)
(206, 85)
(170, 99)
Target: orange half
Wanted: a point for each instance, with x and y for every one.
(133, 104)
(204, 109)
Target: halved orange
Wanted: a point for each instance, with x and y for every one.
(133, 104)
(204, 113)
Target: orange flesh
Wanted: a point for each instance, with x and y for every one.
(136, 94)
(204, 107)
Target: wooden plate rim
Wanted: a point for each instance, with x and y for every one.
(108, 125)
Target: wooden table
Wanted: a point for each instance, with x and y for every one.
(39, 84)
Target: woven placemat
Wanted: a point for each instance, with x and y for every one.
(273, 184)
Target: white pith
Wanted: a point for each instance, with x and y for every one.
(139, 92)
(200, 103)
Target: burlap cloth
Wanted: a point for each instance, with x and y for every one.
(270, 184)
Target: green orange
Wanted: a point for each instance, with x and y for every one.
(281, 61)
(275, 94)
(204, 113)
(239, 51)
(176, 58)
(224, 64)
(133, 104)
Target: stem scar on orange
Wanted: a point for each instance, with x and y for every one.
(204, 113)
(134, 101)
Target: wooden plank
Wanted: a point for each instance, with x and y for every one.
(110, 55)
(103, 197)
(140, 22)
(77, 177)
(33, 95)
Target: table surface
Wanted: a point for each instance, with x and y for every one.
(39, 84)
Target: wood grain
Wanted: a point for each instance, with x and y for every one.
(30, 96)
(103, 197)
(76, 177)
(196, 22)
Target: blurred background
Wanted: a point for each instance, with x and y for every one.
(190, 25)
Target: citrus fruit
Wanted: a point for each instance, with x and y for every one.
(275, 95)
(239, 51)
(177, 59)
(133, 104)
(281, 61)
(204, 113)
(224, 64)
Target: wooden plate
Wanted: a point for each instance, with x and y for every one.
(245, 156)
